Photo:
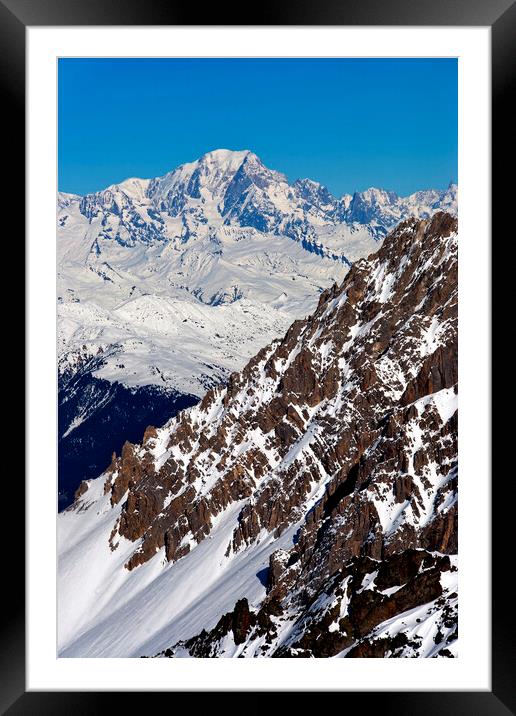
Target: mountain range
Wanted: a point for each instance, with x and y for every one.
(167, 285)
(306, 506)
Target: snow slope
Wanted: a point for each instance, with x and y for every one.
(172, 283)
(335, 443)
(124, 613)
(144, 258)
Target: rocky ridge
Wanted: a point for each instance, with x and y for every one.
(344, 431)
(366, 609)
(167, 285)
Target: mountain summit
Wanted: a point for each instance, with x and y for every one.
(236, 188)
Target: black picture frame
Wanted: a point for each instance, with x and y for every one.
(500, 16)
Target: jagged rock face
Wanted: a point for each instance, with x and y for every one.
(345, 430)
(122, 220)
(367, 608)
(349, 420)
(168, 277)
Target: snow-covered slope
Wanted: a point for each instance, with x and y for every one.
(307, 507)
(142, 256)
(172, 283)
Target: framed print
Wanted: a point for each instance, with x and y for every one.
(258, 298)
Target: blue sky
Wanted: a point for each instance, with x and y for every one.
(348, 123)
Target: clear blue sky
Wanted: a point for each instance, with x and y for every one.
(348, 123)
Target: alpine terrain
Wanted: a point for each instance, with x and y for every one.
(307, 505)
(168, 285)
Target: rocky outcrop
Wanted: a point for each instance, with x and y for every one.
(352, 615)
(97, 417)
(345, 433)
(79, 492)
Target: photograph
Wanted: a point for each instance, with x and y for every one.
(246, 316)
(257, 357)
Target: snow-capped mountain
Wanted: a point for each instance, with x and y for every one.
(170, 284)
(308, 507)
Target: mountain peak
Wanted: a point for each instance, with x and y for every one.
(375, 195)
(133, 187)
(234, 187)
(228, 157)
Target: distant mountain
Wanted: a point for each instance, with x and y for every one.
(227, 188)
(170, 284)
(306, 508)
